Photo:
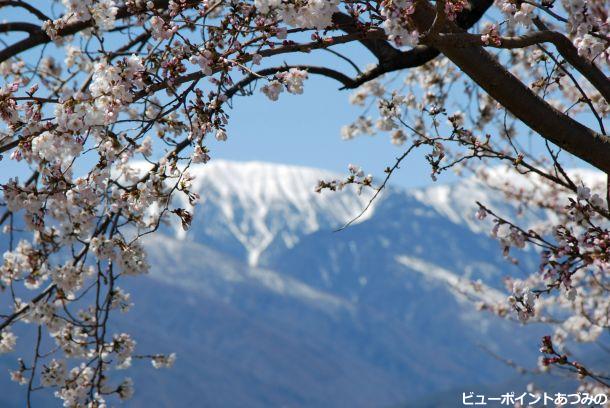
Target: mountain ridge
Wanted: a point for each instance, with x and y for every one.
(369, 316)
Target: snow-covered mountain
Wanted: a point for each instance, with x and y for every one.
(457, 201)
(266, 305)
(260, 207)
(379, 299)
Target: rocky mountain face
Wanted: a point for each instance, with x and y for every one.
(266, 304)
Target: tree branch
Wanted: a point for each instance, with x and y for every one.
(564, 46)
(327, 72)
(392, 59)
(19, 26)
(39, 37)
(509, 91)
(288, 48)
(20, 4)
(379, 48)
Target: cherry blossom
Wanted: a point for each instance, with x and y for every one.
(108, 103)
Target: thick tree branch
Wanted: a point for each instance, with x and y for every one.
(379, 48)
(509, 91)
(19, 26)
(415, 57)
(392, 59)
(565, 47)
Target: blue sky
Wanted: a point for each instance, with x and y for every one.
(305, 129)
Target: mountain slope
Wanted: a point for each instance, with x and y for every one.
(266, 305)
(350, 289)
(255, 208)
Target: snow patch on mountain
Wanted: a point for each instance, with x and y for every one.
(458, 201)
(462, 290)
(459, 286)
(199, 269)
(264, 203)
(265, 207)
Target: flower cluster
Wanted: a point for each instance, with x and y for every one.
(356, 177)
(523, 301)
(102, 12)
(305, 14)
(291, 80)
(490, 35)
(397, 24)
(454, 7)
(520, 13)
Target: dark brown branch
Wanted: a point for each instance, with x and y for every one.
(286, 49)
(21, 4)
(19, 26)
(511, 93)
(415, 57)
(379, 48)
(391, 59)
(565, 47)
